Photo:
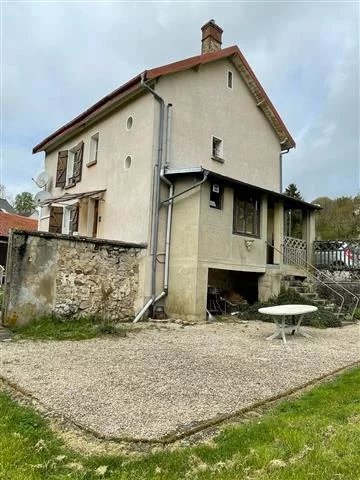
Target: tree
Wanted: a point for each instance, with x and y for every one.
(292, 191)
(339, 218)
(24, 203)
(293, 217)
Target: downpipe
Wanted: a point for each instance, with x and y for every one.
(156, 200)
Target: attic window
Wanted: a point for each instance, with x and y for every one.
(217, 149)
(230, 79)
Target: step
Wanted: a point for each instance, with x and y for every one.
(330, 307)
(319, 301)
(296, 283)
(310, 295)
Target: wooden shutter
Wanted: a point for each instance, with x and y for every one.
(61, 169)
(78, 160)
(74, 219)
(56, 218)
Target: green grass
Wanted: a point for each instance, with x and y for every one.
(55, 328)
(316, 436)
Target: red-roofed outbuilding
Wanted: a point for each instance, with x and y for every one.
(8, 221)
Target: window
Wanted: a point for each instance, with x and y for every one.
(94, 149)
(74, 165)
(246, 213)
(127, 163)
(216, 196)
(217, 149)
(230, 79)
(66, 220)
(129, 123)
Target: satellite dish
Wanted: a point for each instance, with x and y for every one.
(42, 196)
(42, 179)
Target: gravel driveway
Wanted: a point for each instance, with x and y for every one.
(157, 381)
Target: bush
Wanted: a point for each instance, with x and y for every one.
(321, 319)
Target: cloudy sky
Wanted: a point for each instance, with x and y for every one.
(59, 57)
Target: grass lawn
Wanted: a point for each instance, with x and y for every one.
(316, 436)
(53, 328)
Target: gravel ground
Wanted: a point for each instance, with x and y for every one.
(157, 381)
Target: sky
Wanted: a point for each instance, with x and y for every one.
(60, 57)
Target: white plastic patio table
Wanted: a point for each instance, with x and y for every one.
(287, 311)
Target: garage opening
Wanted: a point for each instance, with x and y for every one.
(229, 290)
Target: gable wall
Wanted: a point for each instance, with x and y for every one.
(203, 106)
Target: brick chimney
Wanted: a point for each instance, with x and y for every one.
(211, 37)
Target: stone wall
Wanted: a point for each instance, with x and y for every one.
(71, 276)
(269, 284)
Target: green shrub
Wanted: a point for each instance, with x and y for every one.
(323, 318)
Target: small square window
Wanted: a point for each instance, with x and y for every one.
(216, 196)
(230, 79)
(217, 148)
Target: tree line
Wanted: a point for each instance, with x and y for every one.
(338, 219)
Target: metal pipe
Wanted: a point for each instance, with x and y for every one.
(156, 187)
(206, 174)
(282, 152)
(143, 310)
(167, 240)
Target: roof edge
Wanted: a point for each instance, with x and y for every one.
(233, 53)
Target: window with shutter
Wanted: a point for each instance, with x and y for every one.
(78, 160)
(74, 219)
(61, 169)
(56, 219)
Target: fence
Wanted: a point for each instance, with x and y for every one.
(337, 254)
(295, 251)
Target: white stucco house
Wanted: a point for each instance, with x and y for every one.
(186, 158)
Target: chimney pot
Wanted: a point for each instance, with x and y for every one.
(211, 37)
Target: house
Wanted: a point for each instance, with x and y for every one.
(5, 206)
(186, 158)
(8, 221)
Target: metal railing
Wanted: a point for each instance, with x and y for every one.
(315, 274)
(337, 254)
(295, 250)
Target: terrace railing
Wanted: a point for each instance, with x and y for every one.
(337, 254)
(295, 251)
(321, 278)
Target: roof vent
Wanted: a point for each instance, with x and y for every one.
(211, 37)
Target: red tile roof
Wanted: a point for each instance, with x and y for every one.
(9, 220)
(233, 53)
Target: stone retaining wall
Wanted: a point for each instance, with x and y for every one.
(71, 276)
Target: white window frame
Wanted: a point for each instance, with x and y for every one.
(65, 229)
(217, 154)
(70, 167)
(94, 149)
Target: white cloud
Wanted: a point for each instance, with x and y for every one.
(59, 58)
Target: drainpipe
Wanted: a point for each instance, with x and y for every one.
(156, 188)
(155, 202)
(282, 152)
(170, 204)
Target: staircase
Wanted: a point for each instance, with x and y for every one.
(345, 302)
(307, 289)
